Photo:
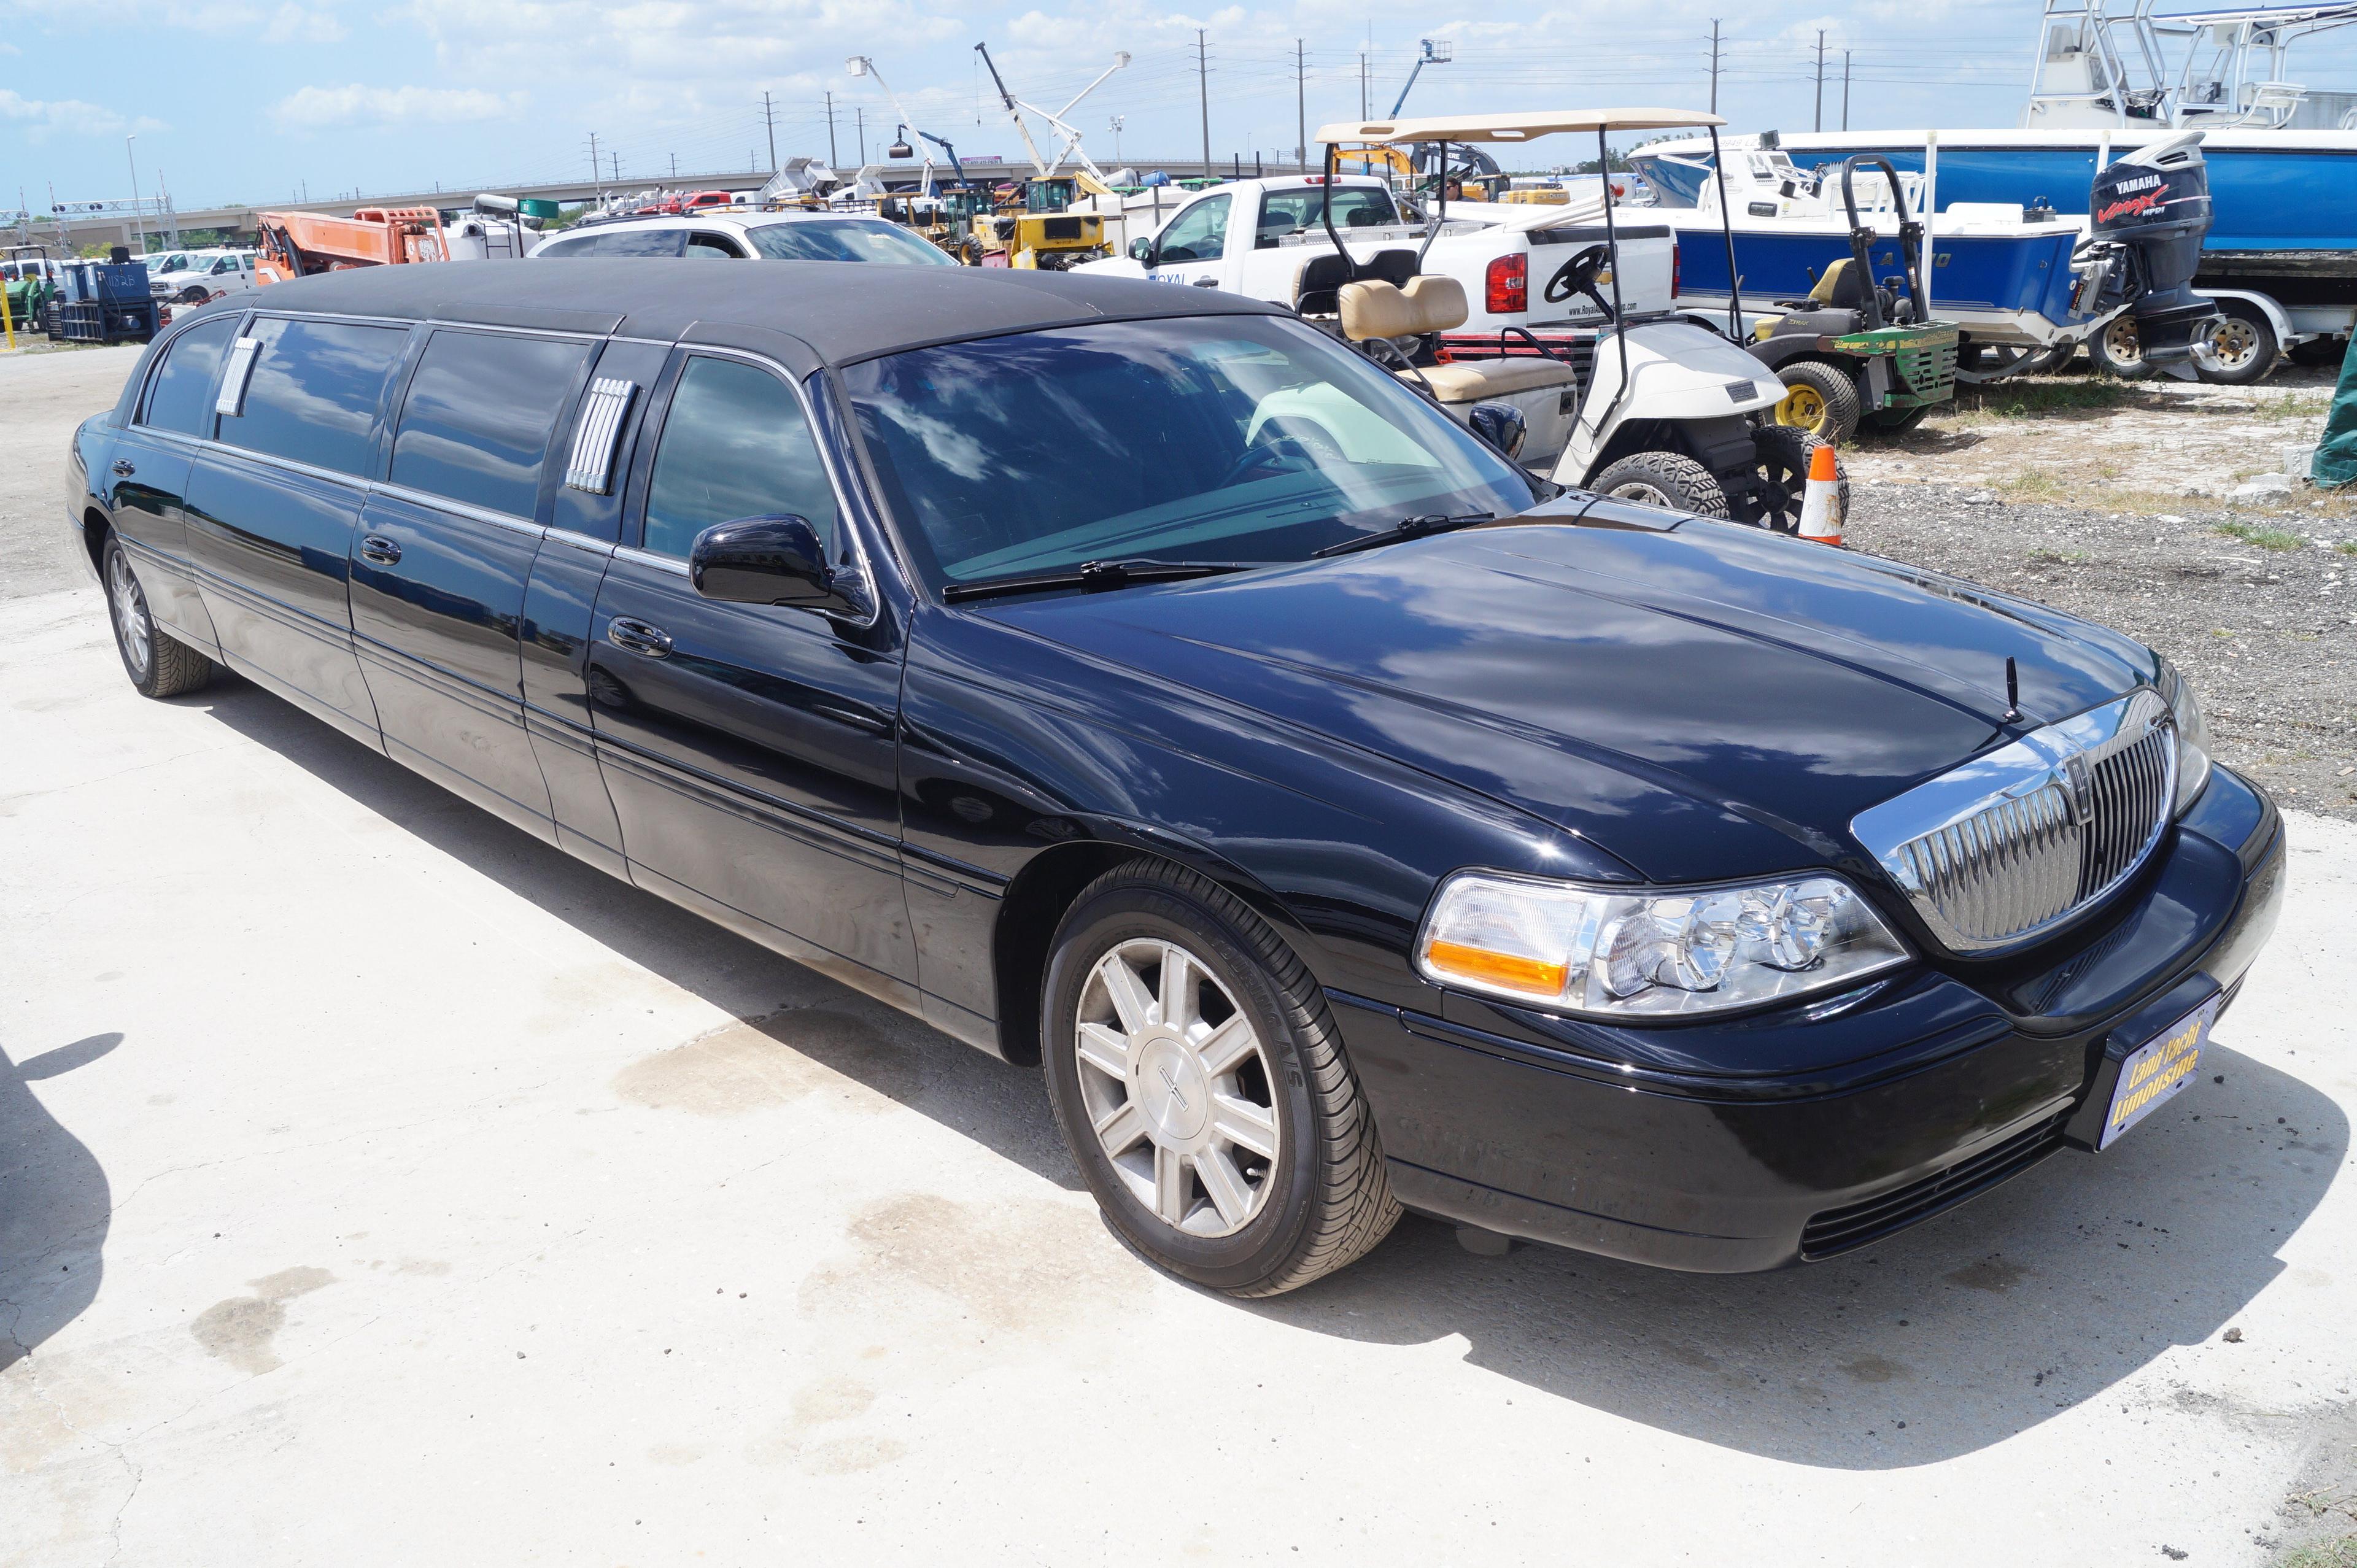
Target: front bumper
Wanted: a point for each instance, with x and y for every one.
(1783, 1137)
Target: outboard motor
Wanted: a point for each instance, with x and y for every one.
(2152, 207)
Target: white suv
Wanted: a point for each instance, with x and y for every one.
(192, 277)
(749, 234)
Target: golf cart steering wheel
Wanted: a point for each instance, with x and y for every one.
(1577, 275)
(1283, 443)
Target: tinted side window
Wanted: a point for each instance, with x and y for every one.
(314, 390)
(640, 243)
(712, 245)
(734, 445)
(479, 412)
(180, 398)
(585, 245)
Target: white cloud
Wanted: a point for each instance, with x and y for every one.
(70, 116)
(317, 108)
(291, 24)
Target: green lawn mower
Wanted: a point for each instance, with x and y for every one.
(1858, 353)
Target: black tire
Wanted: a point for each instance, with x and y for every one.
(1892, 421)
(1835, 396)
(195, 294)
(2244, 343)
(2117, 350)
(1780, 479)
(159, 664)
(2319, 351)
(1666, 480)
(1324, 1198)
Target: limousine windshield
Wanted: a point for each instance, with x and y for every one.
(1245, 437)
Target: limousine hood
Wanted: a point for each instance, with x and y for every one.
(1701, 700)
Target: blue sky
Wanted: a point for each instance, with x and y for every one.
(253, 101)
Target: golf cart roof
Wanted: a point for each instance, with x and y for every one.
(1512, 127)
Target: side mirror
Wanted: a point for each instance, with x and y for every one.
(1501, 424)
(1142, 248)
(765, 561)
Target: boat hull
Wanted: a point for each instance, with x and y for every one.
(2286, 202)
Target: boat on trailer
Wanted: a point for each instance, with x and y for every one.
(2114, 77)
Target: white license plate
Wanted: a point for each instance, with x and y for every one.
(2157, 1071)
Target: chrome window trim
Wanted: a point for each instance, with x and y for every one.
(291, 464)
(632, 553)
(581, 542)
(2025, 774)
(508, 521)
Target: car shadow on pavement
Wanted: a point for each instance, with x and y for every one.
(786, 1006)
(55, 1203)
(1966, 1330)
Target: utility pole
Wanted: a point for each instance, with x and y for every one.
(617, 160)
(1362, 83)
(1203, 98)
(769, 120)
(1844, 90)
(1300, 108)
(1117, 123)
(132, 154)
(859, 119)
(675, 168)
(830, 130)
(1714, 65)
(597, 169)
(1821, 79)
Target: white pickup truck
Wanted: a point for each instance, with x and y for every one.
(1253, 237)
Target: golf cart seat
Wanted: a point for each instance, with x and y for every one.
(1431, 304)
(1318, 285)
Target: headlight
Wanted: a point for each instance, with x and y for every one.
(1650, 953)
(2193, 735)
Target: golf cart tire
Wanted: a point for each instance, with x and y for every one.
(2263, 353)
(1833, 388)
(1667, 480)
(2110, 348)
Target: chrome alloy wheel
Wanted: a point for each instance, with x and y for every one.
(130, 606)
(1644, 494)
(1177, 1087)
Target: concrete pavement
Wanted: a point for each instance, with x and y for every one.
(378, 1186)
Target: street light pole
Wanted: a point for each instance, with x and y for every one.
(132, 154)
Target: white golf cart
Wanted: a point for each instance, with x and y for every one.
(1662, 409)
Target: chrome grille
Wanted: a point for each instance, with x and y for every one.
(1995, 852)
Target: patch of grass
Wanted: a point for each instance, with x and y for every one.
(2265, 538)
(2060, 558)
(2341, 1553)
(2028, 400)
(2346, 547)
(2036, 484)
(2294, 405)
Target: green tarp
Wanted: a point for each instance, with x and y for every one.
(2336, 455)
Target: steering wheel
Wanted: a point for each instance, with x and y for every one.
(1577, 275)
(1283, 443)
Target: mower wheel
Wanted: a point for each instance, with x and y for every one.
(1819, 399)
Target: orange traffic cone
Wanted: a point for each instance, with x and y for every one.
(1820, 504)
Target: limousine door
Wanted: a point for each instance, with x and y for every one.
(271, 526)
(148, 478)
(749, 749)
(444, 550)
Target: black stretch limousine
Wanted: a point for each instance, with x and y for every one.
(1133, 680)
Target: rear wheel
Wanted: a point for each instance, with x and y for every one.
(2119, 350)
(1819, 399)
(1200, 1084)
(1666, 480)
(2319, 351)
(2241, 346)
(1771, 494)
(159, 665)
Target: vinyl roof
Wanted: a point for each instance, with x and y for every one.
(844, 310)
(1512, 127)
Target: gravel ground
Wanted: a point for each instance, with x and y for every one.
(2255, 601)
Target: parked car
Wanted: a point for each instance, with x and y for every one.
(1136, 682)
(758, 236)
(192, 277)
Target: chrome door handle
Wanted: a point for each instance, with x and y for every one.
(376, 547)
(123, 467)
(638, 636)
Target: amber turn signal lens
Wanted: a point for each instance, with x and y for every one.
(1535, 977)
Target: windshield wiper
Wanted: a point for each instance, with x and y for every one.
(1406, 528)
(1090, 576)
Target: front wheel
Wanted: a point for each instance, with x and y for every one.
(1769, 496)
(1818, 398)
(1666, 480)
(1201, 1087)
(159, 665)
